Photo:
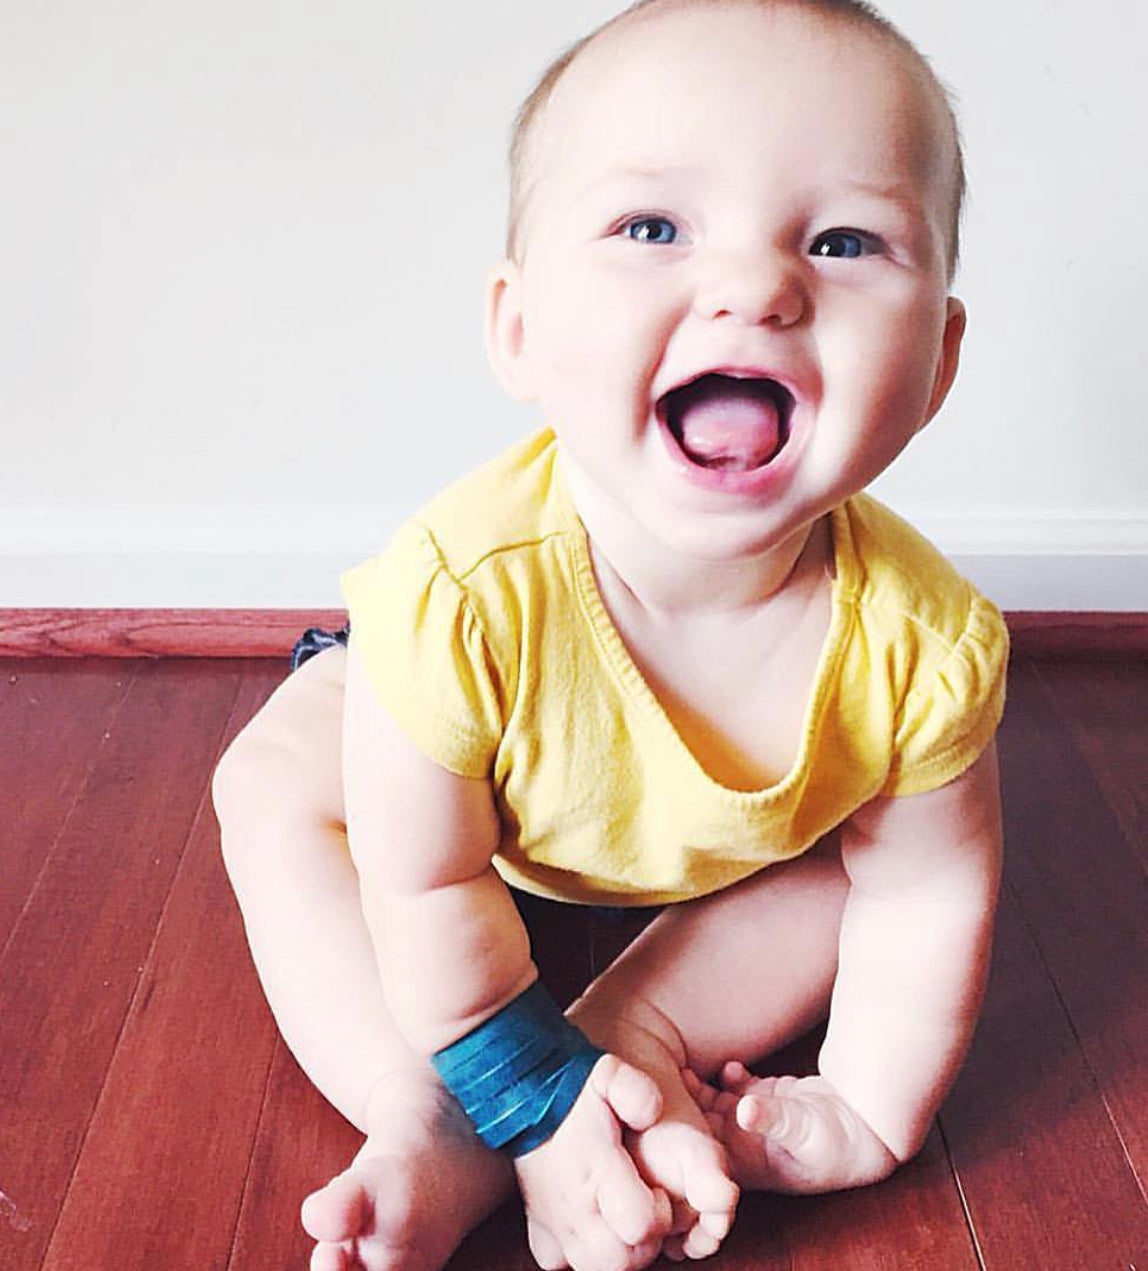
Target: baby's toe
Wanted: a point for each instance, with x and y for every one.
(546, 1250)
(699, 1243)
(329, 1257)
(334, 1214)
(709, 1189)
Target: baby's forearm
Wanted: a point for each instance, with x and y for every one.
(450, 956)
(904, 1008)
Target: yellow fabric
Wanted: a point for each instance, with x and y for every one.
(484, 635)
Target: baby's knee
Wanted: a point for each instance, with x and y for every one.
(287, 761)
(254, 776)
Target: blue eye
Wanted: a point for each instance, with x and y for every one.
(841, 244)
(651, 229)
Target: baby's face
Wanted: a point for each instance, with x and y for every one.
(732, 299)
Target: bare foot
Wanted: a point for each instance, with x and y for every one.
(790, 1134)
(421, 1181)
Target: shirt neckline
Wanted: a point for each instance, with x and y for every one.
(637, 688)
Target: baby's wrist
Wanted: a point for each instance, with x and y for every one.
(884, 1131)
(518, 1074)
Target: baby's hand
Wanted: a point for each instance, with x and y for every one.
(790, 1134)
(676, 1152)
(586, 1204)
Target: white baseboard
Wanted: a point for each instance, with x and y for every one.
(1051, 563)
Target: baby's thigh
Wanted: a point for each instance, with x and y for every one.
(289, 755)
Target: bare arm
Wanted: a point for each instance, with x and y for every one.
(452, 952)
(451, 948)
(916, 939)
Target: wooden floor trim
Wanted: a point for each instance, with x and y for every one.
(258, 633)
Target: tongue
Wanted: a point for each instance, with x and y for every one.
(724, 424)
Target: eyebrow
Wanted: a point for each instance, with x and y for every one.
(638, 172)
(905, 196)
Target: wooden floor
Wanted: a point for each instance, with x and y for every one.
(150, 1118)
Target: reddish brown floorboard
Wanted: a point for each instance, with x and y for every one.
(151, 1118)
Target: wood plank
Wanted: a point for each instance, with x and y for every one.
(1039, 1164)
(1038, 1155)
(55, 717)
(1049, 635)
(911, 1220)
(271, 632)
(301, 1143)
(133, 633)
(1105, 706)
(1092, 935)
(77, 953)
(171, 1138)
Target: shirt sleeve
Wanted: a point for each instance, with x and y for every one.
(425, 652)
(953, 706)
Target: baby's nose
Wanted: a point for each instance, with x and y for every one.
(752, 287)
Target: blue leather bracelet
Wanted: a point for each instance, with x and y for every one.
(518, 1074)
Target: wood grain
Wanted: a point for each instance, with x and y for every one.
(75, 958)
(53, 721)
(134, 633)
(259, 633)
(1105, 708)
(170, 1138)
(1081, 887)
(149, 1117)
(1048, 1118)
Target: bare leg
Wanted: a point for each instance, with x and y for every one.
(422, 1179)
(768, 945)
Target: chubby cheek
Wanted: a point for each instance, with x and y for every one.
(900, 357)
(877, 392)
(593, 346)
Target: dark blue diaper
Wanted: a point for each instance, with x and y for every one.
(315, 640)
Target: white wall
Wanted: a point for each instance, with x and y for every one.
(242, 250)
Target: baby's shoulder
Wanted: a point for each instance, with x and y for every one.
(900, 580)
(507, 504)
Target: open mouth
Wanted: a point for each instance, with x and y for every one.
(728, 423)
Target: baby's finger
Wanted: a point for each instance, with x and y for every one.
(735, 1076)
(545, 1248)
(726, 1103)
(699, 1243)
(634, 1098)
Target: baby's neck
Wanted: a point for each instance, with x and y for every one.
(675, 586)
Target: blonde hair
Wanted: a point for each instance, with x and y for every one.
(856, 12)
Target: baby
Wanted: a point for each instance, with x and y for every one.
(664, 652)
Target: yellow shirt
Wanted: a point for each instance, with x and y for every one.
(484, 635)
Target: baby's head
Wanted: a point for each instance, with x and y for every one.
(857, 15)
(733, 228)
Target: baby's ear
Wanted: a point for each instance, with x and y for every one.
(955, 320)
(506, 332)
